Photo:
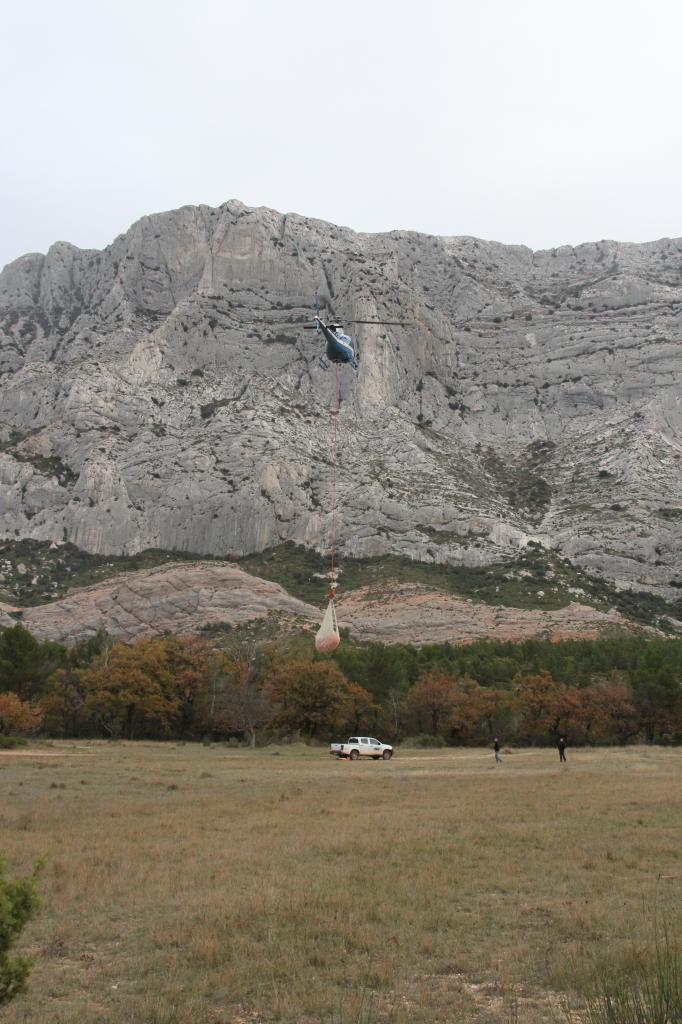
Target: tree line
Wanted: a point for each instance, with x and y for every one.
(616, 690)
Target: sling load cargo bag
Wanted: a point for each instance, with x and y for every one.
(327, 638)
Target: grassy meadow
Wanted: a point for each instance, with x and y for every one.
(186, 884)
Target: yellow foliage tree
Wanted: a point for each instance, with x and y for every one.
(130, 686)
(431, 702)
(363, 710)
(309, 697)
(18, 716)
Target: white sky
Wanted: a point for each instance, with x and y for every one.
(530, 121)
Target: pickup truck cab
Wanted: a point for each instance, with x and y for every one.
(362, 746)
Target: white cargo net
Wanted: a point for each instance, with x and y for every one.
(327, 638)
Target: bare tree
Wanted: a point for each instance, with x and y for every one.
(395, 706)
(237, 701)
(246, 708)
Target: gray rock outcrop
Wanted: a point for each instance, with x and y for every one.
(161, 393)
(181, 598)
(176, 598)
(410, 613)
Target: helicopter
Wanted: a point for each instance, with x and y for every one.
(339, 347)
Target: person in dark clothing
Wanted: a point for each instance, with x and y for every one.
(562, 749)
(496, 748)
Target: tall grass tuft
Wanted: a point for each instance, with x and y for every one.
(645, 990)
(360, 1012)
(364, 1008)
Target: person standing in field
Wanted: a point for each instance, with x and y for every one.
(496, 748)
(562, 749)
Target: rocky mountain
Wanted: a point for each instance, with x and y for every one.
(162, 394)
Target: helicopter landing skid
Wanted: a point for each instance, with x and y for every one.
(324, 363)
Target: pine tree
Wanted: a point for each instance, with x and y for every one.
(18, 902)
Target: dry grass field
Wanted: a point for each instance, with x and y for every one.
(186, 884)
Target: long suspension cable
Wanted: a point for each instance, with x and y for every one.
(335, 417)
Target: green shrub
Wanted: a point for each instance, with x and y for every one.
(423, 741)
(18, 902)
(10, 742)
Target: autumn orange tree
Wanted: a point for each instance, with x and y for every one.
(132, 686)
(546, 709)
(18, 717)
(195, 668)
(537, 704)
(431, 702)
(606, 713)
(458, 709)
(362, 710)
(603, 691)
(481, 712)
(309, 697)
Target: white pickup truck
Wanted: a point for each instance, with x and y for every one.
(362, 746)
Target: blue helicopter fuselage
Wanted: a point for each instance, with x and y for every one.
(339, 346)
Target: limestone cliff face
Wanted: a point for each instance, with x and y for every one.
(161, 393)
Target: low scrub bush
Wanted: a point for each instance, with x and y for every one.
(11, 742)
(18, 902)
(423, 741)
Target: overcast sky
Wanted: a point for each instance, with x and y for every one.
(526, 121)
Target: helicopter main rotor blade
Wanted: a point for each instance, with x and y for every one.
(337, 323)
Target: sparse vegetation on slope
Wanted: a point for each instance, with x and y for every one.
(33, 572)
(47, 465)
(538, 579)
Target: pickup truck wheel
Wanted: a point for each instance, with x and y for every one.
(387, 755)
(354, 755)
